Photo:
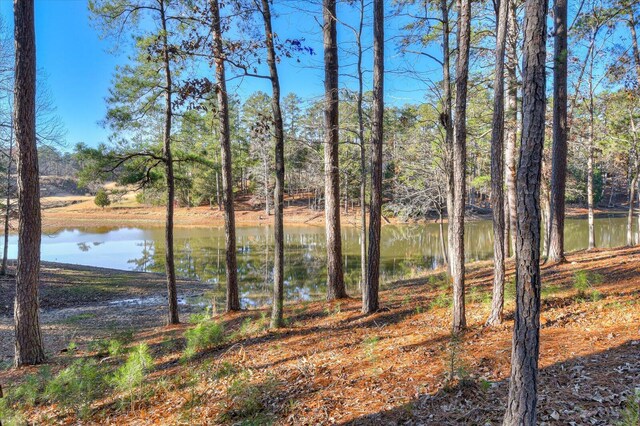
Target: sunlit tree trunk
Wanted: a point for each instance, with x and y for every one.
(523, 385)
(7, 208)
(28, 345)
(172, 291)
(278, 193)
(446, 119)
(497, 169)
(560, 131)
(511, 124)
(335, 274)
(232, 300)
(370, 290)
(456, 225)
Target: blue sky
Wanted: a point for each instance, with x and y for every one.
(78, 66)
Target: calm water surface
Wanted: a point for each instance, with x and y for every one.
(405, 250)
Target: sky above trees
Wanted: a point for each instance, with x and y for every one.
(78, 66)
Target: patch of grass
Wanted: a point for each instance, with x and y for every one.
(225, 369)
(77, 386)
(370, 343)
(584, 283)
(205, 335)
(549, 290)
(246, 401)
(131, 375)
(74, 319)
(630, 416)
(442, 300)
(31, 391)
(510, 290)
(478, 295)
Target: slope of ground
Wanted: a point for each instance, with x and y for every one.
(332, 365)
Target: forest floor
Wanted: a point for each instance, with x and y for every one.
(332, 365)
(81, 211)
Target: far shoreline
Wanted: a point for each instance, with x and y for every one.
(82, 212)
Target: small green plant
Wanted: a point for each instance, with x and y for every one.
(584, 283)
(630, 416)
(131, 375)
(102, 198)
(30, 392)
(116, 347)
(77, 386)
(442, 300)
(205, 335)
(246, 401)
(456, 370)
(225, 369)
(419, 309)
(549, 290)
(370, 343)
(72, 347)
(510, 290)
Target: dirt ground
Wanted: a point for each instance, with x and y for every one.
(81, 304)
(81, 210)
(332, 365)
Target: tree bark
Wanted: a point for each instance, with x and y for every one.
(172, 291)
(560, 132)
(278, 193)
(370, 290)
(446, 120)
(231, 265)
(335, 273)
(497, 169)
(511, 124)
(523, 385)
(456, 253)
(632, 200)
(590, 215)
(28, 345)
(7, 210)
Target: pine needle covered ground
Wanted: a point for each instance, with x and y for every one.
(332, 365)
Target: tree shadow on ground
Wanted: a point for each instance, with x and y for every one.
(589, 389)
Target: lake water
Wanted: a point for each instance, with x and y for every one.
(406, 250)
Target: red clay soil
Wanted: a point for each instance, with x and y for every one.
(332, 365)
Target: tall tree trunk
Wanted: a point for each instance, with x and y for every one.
(172, 291)
(497, 169)
(511, 124)
(265, 168)
(560, 131)
(28, 345)
(446, 119)
(443, 246)
(231, 265)
(370, 290)
(523, 385)
(7, 209)
(590, 215)
(278, 194)
(459, 164)
(335, 274)
(632, 200)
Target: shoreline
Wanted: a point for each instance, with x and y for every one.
(85, 213)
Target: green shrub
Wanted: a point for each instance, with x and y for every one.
(131, 375)
(205, 335)
(77, 386)
(584, 283)
(246, 401)
(102, 198)
(630, 416)
(28, 393)
(443, 300)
